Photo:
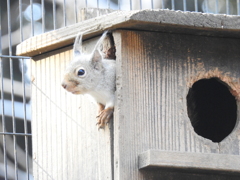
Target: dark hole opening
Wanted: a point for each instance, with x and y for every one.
(212, 109)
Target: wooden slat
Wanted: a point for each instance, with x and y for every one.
(195, 161)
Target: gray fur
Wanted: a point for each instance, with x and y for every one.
(99, 78)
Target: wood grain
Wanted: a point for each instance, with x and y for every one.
(194, 161)
(153, 73)
(66, 141)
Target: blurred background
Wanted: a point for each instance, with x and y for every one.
(22, 19)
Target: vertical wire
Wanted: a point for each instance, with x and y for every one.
(64, 13)
(2, 103)
(25, 117)
(130, 4)
(86, 3)
(206, 3)
(20, 20)
(108, 4)
(119, 4)
(12, 88)
(43, 15)
(75, 11)
(196, 5)
(3, 121)
(24, 93)
(152, 5)
(54, 14)
(184, 5)
(173, 4)
(140, 1)
(216, 6)
(238, 9)
(32, 23)
(163, 7)
(227, 7)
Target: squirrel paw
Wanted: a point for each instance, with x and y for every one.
(104, 117)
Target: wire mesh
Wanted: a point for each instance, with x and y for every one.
(15, 125)
(34, 17)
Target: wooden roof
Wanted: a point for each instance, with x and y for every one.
(149, 20)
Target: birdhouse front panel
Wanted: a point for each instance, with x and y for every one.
(175, 92)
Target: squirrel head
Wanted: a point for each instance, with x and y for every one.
(86, 70)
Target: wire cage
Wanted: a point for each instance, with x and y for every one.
(21, 19)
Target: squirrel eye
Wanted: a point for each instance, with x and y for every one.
(81, 72)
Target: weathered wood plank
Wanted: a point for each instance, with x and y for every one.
(88, 13)
(66, 140)
(150, 20)
(194, 161)
(154, 71)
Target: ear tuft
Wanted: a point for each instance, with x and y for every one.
(97, 56)
(77, 47)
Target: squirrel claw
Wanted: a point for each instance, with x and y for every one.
(104, 117)
(99, 128)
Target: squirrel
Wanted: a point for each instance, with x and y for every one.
(94, 75)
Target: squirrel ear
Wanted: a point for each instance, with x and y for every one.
(97, 56)
(77, 47)
(97, 59)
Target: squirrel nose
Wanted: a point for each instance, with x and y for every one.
(64, 85)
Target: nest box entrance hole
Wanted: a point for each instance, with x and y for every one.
(212, 109)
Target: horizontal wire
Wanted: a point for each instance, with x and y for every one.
(15, 57)
(17, 134)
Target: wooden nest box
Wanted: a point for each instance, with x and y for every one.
(177, 99)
